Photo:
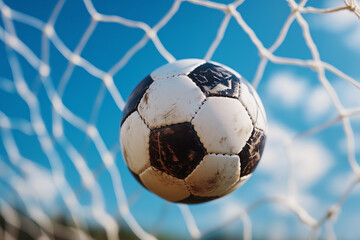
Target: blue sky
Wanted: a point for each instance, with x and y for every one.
(293, 97)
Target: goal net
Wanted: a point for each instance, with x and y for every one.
(67, 68)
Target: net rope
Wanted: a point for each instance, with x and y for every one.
(14, 180)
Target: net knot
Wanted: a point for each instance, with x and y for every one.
(5, 11)
(353, 6)
(75, 59)
(11, 40)
(230, 9)
(108, 159)
(332, 211)
(315, 65)
(108, 80)
(151, 33)
(49, 30)
(91, 131)
(294, 6)
(44, 70)
(265, 53)
(96, 16)
(39, 127)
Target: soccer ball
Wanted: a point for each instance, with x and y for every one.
(193, 131)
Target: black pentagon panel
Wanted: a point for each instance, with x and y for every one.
(175, 149)
(194, 199)
(251, 153)
(215, 80)
(135, 97)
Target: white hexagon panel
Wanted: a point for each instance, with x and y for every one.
(214, 174)
(223, 125)
(134, 138)
(170, 101)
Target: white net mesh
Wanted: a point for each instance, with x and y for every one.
(66, 68)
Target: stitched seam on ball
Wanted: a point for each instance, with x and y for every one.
(196, 133)
(137, 108)
(179, 74)
(175, 123)
(252, 123)
(243, 104)
(143, 119)
(167, 125)
(252, 120)
(122, 121)
(187, 187)
(144, 169)
(221, 154)
(247, 111)
(240, 90)
(202, 103)
(168, 76)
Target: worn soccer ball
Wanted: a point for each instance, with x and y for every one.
(193, 131)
